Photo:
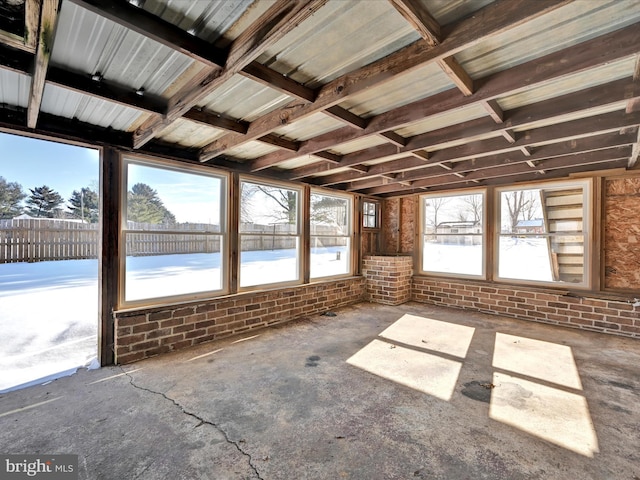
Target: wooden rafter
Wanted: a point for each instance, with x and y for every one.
(276, 22)
(491, 20)
(46, 34)
(598, 96)
(420, 19)
(610, 47)
(157, 29)
(612, 122)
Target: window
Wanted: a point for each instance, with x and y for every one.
(269, 234)
(370, 215)
(174, 231)
(453, 234)
(330, 235)
(543, 232)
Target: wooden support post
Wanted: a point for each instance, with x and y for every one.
(109, 266)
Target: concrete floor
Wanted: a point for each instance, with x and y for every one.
(440, 394)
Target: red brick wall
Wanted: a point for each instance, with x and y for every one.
(608, 316)
(147, 332)
(388, 278)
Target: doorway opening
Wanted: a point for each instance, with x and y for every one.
(49, 248)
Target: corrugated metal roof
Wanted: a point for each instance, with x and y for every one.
(448, 11)
(88, 43)
(244, 99)
(190, 134)
(309, 127)
(359, 144)
(571, 83)
(251, 150)
(442, 120)
(69, 104)
(298, 162)
(574, 23)
(399, 91)
(340, 37)
(14, 88)
(207, 20)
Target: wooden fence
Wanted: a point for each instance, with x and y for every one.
(38, 240)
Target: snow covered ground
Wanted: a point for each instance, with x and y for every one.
(519, 258)
(49, 310)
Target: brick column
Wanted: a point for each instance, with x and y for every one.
(388, 278)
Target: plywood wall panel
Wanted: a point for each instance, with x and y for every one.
(398, 224)
(622, 234)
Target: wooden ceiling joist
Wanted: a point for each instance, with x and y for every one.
(491, 20)
(592, 53)
(275, 23)
(46, 35)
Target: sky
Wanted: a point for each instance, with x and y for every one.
(65, 168)
(33, 163)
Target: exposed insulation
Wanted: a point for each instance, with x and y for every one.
(622, 234)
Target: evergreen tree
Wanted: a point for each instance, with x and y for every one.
(44, 202)
(11, 195)
(84, 204)
(144, 206)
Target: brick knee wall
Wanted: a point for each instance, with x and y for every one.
(143, 333)
(388, 278)
(607, 316)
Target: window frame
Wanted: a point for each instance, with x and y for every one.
(376, 214)
(484, 234)
(299, 236)
(225, 179)
(587, 230)
(350, 236)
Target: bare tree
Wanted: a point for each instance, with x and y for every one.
(532, 205)
(286, 199)
(516, 203)
(433, 206)
(473, 206)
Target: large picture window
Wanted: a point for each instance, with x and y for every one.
(330, 235)
(174, 231)
(543, 233)
(453, 234)
(269, 234)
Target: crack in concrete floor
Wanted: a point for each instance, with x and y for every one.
(200, 419)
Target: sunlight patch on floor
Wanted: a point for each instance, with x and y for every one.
(433, 335)
(421, 371)
(552, 414)
(538, 359)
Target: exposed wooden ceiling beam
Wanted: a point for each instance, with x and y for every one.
(562, 166)
(597, 167)
(29, 40)
(466, 167)
(494, 110)
(457, 74)
(346, 116)
(566, 147)
(491, 20)
(157, 29)
(277, 81)
(590, 54)
(217, 121)
(394, 138)
(275, 23)
(46, 35)
(546, 110)
(420, 19)
(31, 20)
